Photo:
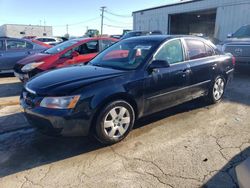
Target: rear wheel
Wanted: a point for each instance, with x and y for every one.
(217, 90)
(114, 122)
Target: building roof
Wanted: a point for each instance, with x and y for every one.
(26, 25)
(168, 5)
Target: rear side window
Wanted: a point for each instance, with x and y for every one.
(51, 40)
(196, 49)
(18, 45)
(171, 52)
(92, 47)
(41, 39)
(1, 45)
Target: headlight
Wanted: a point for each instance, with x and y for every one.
(68, 102)
(31, 66)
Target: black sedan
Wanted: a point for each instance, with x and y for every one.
(133, 78)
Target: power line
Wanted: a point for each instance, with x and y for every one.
(114, 26)
(115, 21)
(118, 15)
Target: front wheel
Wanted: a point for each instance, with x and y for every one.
(216, 92)
(114, 122)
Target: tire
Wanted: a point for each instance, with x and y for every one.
(114, 122)
(217, 90)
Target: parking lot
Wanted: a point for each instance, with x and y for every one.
(191, 145)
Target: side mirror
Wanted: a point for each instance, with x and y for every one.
(74, 54)
(157, 64)
(230, 35)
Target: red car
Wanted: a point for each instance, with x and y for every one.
(76, 51)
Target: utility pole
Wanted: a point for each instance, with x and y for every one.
(102, 15)
(67, 29)
(44, 23)
(44, 30)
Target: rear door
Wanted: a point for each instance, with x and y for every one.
(167, 86)
(202, 61)
(15, 51)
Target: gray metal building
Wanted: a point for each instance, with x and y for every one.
(19, 31)
(214, 18)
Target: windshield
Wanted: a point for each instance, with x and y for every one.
(243, 32)
(60, 47)
(125, 55)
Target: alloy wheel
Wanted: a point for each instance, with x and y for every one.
(117, 122)
(218, 89)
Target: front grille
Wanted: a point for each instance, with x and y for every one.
(238, 50)
(30, 99)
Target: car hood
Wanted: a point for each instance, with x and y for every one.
(65, 81)
(237, 41)
(34, 58)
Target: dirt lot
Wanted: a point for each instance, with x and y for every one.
(191, 145)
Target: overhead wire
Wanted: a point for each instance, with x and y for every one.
(115, 21)
(118, 15)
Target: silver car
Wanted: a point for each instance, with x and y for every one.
(13, 50)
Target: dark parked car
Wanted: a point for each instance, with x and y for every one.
(12, 50)
(133, 78)
(238, 44)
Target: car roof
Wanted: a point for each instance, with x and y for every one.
(93, 38)
(161, 38)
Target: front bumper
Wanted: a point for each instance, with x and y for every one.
(57, 122)
(22, 77)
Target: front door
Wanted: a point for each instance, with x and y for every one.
(167, 87)
(2, 54)
(87, 51)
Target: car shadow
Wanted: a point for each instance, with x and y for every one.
(10, 89)
(26, 149)
(13, 122)
(188, 106)
(226, 176)
(5, 75)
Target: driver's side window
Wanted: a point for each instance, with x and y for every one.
(172, 52)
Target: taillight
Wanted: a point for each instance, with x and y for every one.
(233, 60)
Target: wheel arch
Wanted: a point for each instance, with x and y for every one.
(118, 96)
